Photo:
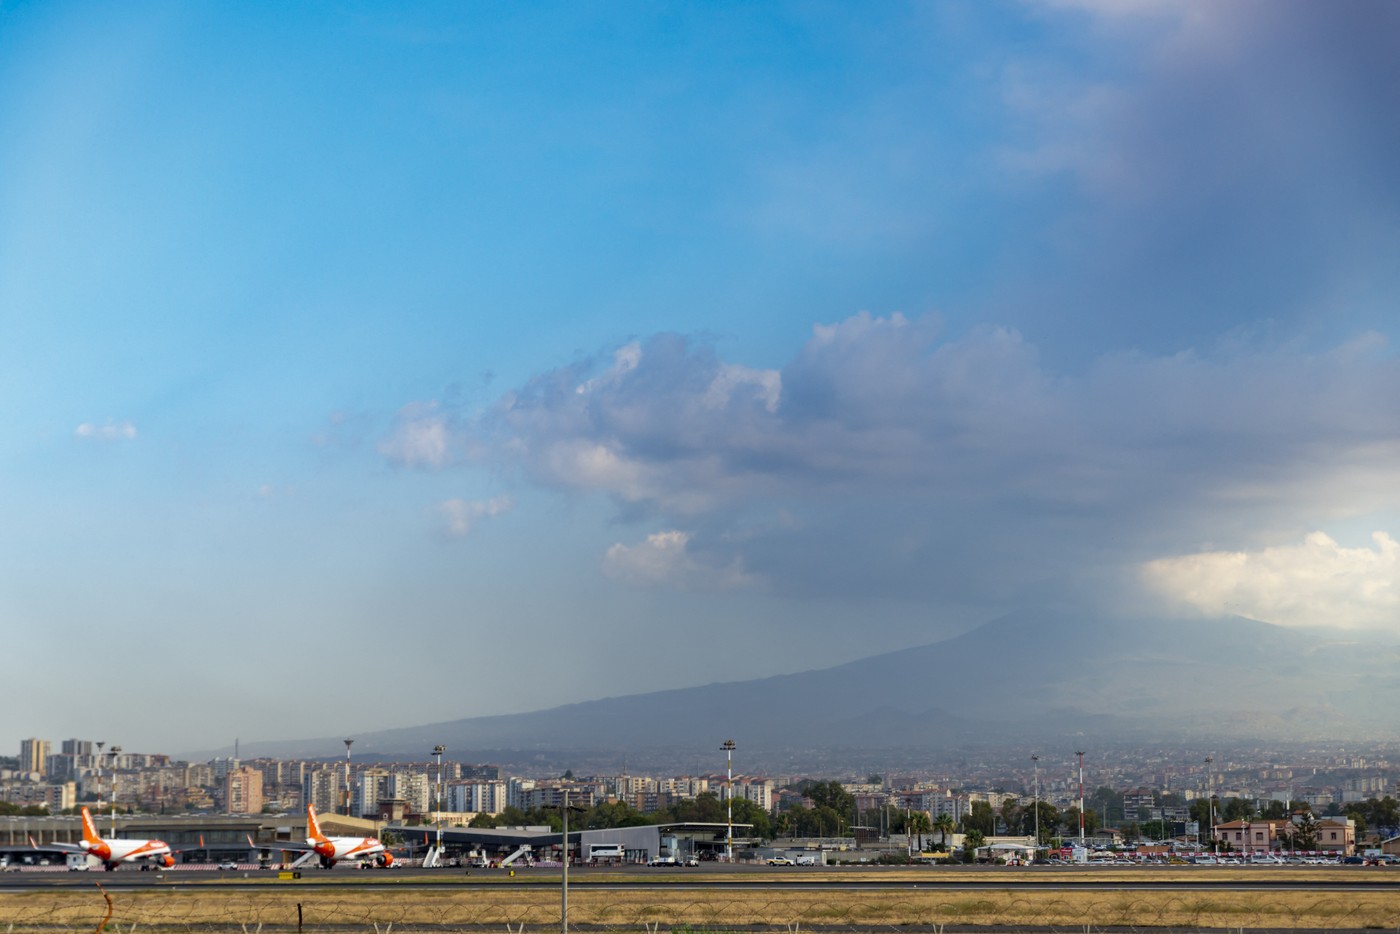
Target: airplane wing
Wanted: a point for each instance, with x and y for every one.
(286, 846)
(65, 847)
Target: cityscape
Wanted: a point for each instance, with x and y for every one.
(1135, 798)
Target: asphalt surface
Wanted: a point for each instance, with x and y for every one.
(1127, 879)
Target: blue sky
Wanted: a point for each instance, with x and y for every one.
(590, 349)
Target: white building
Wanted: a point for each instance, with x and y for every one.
(477, 797)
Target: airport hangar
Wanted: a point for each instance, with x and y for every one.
(639, 844)
(216, 837)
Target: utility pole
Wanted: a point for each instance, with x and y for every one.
(115, 751)
(564, 879)
(1035, 764)
(728, 748)
(100, 744)
(1080, 754)
(564, 808)
(347, 777)
(438, 750)
(1210, 801)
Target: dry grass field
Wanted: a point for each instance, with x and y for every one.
(493, 907)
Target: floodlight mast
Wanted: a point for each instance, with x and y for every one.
(1210, 802)
(100, 744)
(1035, 764)
(1080, 754)
(564, 867)
(729, 748)
(438, 750)
(348, 742)
(114, 752)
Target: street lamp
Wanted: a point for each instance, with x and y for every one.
(728, 748)
(100, 744)
(438, 750)
(114, 752)
(348, 742)
(1080, 754)
(1035, 764)
(564, 809)
(1210, 802)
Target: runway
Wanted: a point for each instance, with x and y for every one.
(755, 878)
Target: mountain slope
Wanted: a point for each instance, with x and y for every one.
(1019, 677)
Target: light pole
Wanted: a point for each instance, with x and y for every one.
(438, 750)
(1080, 754)
(114, 751)
(1210, 802)
(100, 744)
(728, 748)
(1035, 764)
(348, 742)
(564, 875)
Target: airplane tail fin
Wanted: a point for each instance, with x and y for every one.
(90, 834)
(313, 826)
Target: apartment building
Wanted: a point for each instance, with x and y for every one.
(243, 791)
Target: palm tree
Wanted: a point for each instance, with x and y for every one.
(920, 824)
(944, 824)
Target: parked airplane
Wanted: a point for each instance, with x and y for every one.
(114, 850)
(334, 849)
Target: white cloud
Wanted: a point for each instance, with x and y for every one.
(107, 431)
(419, 438)
(665, 559)
(1317, 583)
(460, 515)
(917, 463)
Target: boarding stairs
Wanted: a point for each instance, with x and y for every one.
(524, 848)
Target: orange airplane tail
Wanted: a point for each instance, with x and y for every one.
(313, 827)
(90, 834)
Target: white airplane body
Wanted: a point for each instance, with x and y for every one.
(334, 849)
(114, 850)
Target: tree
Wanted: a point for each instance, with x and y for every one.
(1071, 822)
(830, 794)
(945, 825)
(1049, 820)
(980, 818)
(1305, 838)
(1357, 814)
(1383, 814)
(1106, 802)
(1237, 809)
(919, 823)
(1157, 829)
(1011, 815)
(971, 841)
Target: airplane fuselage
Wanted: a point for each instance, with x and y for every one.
(114, 850)
(334, 849)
